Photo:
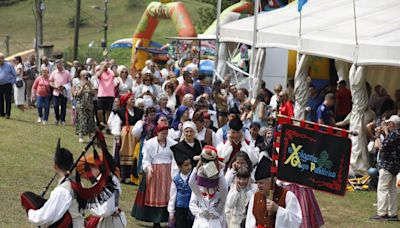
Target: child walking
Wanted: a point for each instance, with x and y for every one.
(178, 206)
(208, 185)
(238, 198)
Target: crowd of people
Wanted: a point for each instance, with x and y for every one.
(200, 153)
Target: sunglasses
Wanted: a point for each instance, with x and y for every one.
(124, 72)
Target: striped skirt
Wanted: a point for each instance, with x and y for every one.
(145, 213)
(311, 213)
(158, 187)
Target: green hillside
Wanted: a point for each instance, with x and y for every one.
(18, 21)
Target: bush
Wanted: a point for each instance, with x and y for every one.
(82, 22)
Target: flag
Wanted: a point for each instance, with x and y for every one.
(300, 4)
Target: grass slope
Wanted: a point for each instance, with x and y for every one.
(18, 21)
(27, 148)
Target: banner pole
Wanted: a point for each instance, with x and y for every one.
(354, 133)
(273, 165)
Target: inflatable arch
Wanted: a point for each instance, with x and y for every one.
(165, 9)
(232, 13)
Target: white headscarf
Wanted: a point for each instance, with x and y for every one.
(189, 124)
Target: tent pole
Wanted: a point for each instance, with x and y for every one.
(253, 49)
(217, 34)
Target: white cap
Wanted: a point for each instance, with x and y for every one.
(395, 119)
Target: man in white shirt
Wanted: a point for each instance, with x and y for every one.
(283, 211)
(62, 199)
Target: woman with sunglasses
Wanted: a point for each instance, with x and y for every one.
(124, 82)
(148, 91)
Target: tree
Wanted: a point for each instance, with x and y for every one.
(207, 15)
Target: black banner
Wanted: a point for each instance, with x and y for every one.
(314, 159)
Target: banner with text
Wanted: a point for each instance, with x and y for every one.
(314, 159)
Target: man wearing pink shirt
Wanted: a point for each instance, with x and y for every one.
(59, 80)
(105, 93)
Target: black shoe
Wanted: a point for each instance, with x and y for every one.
(392, 218)
(7, 117)
(379, 218)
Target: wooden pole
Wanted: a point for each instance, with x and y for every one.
(354, 133)
(77, 24)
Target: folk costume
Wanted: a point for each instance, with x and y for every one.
(209, 192)
(152, 200)
(228, 149)
(288, 214)
(121, 127)
(62, 205)
(236, 204)
(311, 213)
(180, 193)
(188, 149)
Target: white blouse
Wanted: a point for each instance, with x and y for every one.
(154, 153)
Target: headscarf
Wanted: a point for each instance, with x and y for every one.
(122, 102)
(160, 127)
(189, 124)
(123, 99)
(159, 115)
(179, 113)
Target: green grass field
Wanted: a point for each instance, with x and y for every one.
(27, 148)
(18, 21)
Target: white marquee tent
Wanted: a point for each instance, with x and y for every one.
(366, 35)
(328, 30)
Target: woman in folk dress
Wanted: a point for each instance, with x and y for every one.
(153, 194)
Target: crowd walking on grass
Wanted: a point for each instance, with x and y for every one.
(199, 152)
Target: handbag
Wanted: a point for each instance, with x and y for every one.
(19, 84)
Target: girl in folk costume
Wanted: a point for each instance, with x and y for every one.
(235, 143)
(282, 212)
(142, 131)
(178, 206)
(189, 145)
(121, 126)
(209, 191)
(241, 160)
(153, 194)
(238, 198)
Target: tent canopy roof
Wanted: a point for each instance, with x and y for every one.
(328, 30)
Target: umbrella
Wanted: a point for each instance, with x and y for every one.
(206, 67)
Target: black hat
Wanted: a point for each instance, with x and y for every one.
(181, 154)
(263, 169)
(234, 110)
(63, 157)
(236, 124)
